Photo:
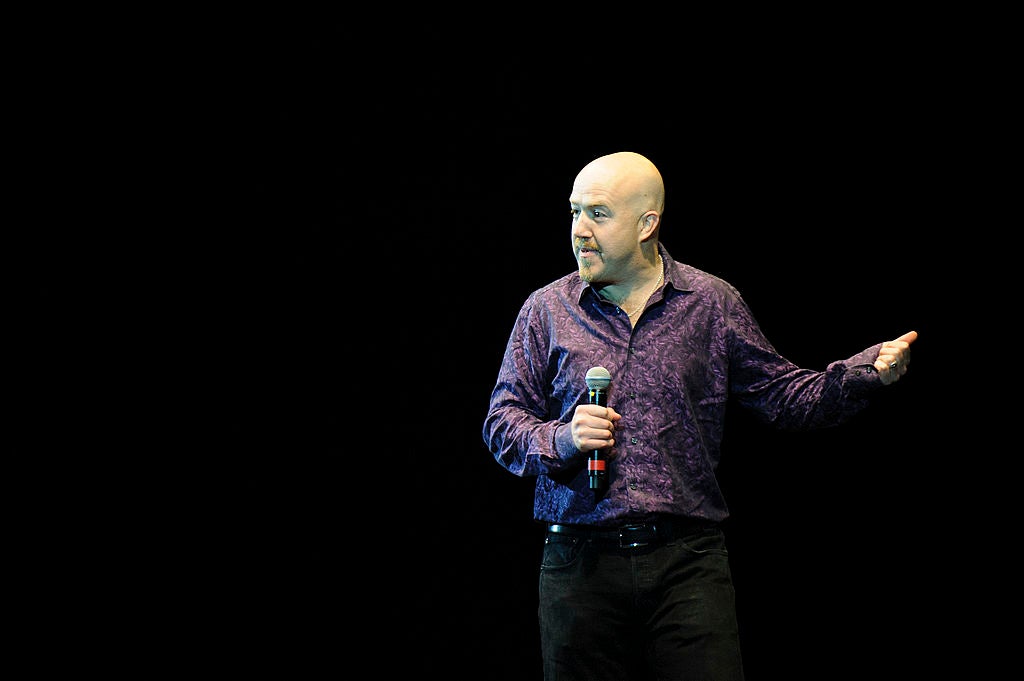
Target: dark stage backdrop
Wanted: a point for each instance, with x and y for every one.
(387, 228)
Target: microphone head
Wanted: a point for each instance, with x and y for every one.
(598, 378)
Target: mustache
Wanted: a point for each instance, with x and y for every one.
(583, 243)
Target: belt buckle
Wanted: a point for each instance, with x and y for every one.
(630, 529)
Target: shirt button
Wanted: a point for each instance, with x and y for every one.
(633, 440)
(632, 485)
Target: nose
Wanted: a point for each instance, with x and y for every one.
(581, 227)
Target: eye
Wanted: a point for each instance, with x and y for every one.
(574, 213)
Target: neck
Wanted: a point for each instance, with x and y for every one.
(635, 299)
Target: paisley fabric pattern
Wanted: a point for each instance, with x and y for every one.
(696, 346)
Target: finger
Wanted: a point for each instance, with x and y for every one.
(890, 362)
(908, 338)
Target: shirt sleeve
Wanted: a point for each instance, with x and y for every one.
(519, 430)
(789, 397)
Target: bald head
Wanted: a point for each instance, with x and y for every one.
(616, 204)
(628, 176)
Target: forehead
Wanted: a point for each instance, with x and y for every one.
(590, 200)
(593, 192)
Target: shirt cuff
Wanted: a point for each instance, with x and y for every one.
(861, 375)
(564, 453)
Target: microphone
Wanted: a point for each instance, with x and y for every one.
(598, 379)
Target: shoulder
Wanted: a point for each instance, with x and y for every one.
(689, 278)
(564, 288)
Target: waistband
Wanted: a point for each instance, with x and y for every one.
(636, 534)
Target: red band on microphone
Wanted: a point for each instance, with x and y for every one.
(595, 464)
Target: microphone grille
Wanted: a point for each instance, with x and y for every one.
(598, 377)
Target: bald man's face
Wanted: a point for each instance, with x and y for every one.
(606, 214)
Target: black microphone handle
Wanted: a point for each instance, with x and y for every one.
(596, 472)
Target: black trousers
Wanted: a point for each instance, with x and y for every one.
(663, 610)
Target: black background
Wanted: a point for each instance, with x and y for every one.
(385, 221)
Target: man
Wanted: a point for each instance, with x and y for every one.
(635, 579)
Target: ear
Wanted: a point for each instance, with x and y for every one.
(649, 222)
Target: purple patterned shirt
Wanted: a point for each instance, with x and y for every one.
(695, 346)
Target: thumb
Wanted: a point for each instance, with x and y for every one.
(909, 337)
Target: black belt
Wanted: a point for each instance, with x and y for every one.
(635, 535)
